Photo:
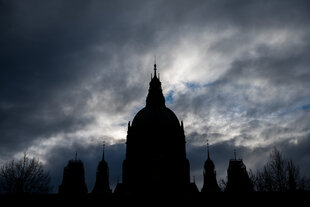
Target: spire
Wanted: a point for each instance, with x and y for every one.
(75, 156)
(182, 126)
(102, 176)
(235, 154)
(155, 96)
(155, 69)
(128, 128)
(103, 148)
(208, 149)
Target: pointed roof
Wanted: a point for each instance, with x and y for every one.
(102, 176)
(103, 148)
(209, 174)
(156, 112)
(155, 70)
(155, 97)
(209, 163)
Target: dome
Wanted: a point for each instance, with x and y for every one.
(155, 117)
(155, 130)
(159, 117)
(155, 147)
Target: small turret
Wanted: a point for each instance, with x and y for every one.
(209, 175)
(102, 177)
(182, 127)
(73, 178)
(128, 128)
(238, 178)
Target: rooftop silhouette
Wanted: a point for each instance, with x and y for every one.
(237, 176)
(155, 161)
(209, 176)
(73, 178)
(102, 185)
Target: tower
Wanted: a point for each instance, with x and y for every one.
(209, 176)
(102, 177)
(237, 176)
(155, 159)
(73, 181)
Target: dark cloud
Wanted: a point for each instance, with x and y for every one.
(73, 71)
(48, 74)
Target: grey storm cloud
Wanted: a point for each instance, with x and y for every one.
(70, 67)
(48, 66)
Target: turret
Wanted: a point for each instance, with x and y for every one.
(73, 178)
(102, 177)
(209, 175)
(238, 178)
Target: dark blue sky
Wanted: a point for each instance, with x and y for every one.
(73, 73)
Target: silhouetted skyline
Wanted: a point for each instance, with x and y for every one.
(156, 165)
(236, 74)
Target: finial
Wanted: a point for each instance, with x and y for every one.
(155, 66)
(128, 127)
(235, 154)
(182, 126)
(155, 70)
(208, 149)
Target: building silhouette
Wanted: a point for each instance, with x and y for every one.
(102, 185)
(73, 181)
(209, 176)
(237, 177)
(155, 161)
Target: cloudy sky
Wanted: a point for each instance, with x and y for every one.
(74, 72)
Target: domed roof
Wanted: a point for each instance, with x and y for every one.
(155, 114)
(156, 146)
(162, 116)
